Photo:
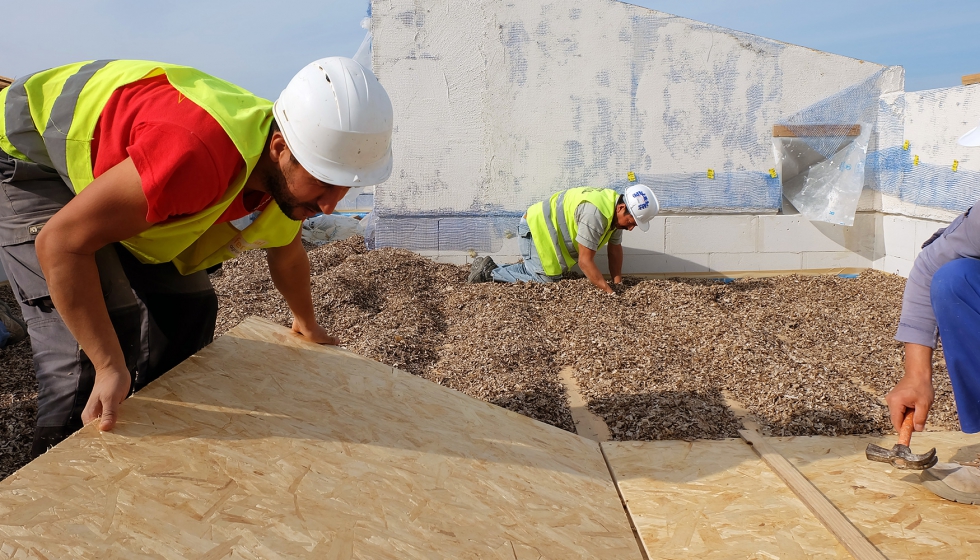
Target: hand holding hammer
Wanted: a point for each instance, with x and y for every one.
(900, 455)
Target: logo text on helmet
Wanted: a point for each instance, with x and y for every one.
(646, 201)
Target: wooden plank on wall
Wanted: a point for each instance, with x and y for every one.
(264, 445)
(713, 499)
(815, 130)
(896, 513)
(971, 79)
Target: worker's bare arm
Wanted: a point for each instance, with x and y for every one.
(915, 389)
(289, 267)
(586, 261)
(615, 255)
(110, 209)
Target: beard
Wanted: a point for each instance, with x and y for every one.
(276, 186)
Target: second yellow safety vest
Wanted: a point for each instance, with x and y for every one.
(554, 229)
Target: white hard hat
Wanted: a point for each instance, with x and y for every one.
(971, 138)
(642, 204)
(337, 118)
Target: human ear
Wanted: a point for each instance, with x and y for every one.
(277, 146)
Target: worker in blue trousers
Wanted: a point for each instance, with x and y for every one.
(12, 329)
(942, 300)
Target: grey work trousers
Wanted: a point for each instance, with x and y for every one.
(160, 317)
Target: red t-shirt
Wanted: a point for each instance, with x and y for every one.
(185, 159)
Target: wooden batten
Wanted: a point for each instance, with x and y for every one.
(901, 517)
(815, 130)
(971, 79)
(264, 445)
(4, 82)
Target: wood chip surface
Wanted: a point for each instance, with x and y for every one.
(806, 355)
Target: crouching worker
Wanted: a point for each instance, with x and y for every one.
(120, 180)
(571, 227)
(942, 300)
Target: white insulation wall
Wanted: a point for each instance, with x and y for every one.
(499, 103)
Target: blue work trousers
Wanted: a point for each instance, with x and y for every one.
(955, 294)
(530, 270)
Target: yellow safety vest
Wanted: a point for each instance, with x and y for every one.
(49, 118)
(554, 229)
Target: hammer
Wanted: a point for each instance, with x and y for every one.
(900, 456)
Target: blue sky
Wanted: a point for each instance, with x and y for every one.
(260, 45)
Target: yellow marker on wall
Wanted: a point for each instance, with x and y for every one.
(915, 160)
(956, 164)
(772, 173)
(711, 173)
(631, 176)
(905, 146)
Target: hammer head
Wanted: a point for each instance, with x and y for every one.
(901, 457)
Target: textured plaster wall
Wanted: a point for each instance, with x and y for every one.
(920, 181)
(498, 104)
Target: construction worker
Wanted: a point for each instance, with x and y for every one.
(121, 180)
(12, 329)
(942, 299)
(569, 227)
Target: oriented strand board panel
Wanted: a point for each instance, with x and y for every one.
(267, 446)
(713, 499)
(898, 515)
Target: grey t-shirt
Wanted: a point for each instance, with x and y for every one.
(592, 225)
(961, 239)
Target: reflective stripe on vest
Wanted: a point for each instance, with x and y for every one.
(19, 124)
(570, 245)
(49, 149)
(546, 208)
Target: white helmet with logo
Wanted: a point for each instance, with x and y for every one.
(971, 138)
(642, 205)
(337, 118)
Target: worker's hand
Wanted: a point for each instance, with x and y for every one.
(315, 333)
(110, 389)
(913, 391)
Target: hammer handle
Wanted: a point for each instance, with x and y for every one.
(905, 434)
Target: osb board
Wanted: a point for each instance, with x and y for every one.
(898, 515)
(713, 499)
(266, 446)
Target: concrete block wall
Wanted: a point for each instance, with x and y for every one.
(731, 244)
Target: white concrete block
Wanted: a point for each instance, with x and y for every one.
(924, 229)
(712, 234)
(665, 264)
(896, 265)
(460, 259)
(835, 259)
(790, 234)
(899, 234)
(640, 242)
(746, 262)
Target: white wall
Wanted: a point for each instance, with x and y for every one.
(499, 103)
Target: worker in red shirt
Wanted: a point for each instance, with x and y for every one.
(121, 180)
